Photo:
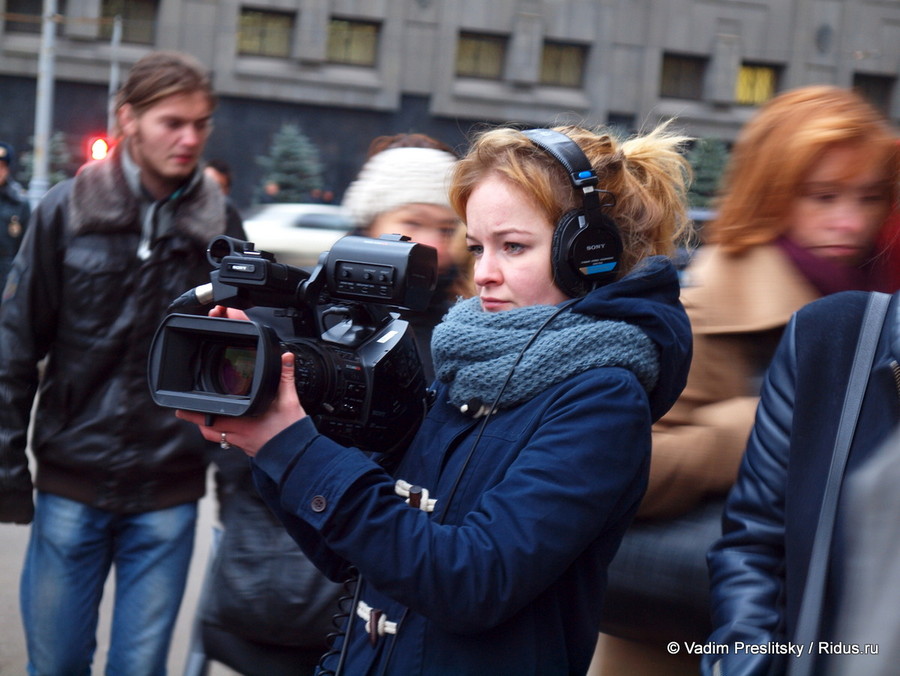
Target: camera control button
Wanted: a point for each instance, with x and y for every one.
(318, 504)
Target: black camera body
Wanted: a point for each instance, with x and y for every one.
(357, 368)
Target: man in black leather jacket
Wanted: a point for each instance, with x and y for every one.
(118, 479)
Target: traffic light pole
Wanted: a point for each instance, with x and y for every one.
(43, 113)
(113, 75)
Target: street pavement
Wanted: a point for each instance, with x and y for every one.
(13, 657)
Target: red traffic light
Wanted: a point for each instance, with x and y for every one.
(98, 147)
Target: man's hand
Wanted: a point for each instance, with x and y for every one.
(17, 507)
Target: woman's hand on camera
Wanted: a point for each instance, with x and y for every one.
(228, 313)
(251, 433)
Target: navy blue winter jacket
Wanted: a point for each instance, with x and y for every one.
(508, 577)
(758, 568)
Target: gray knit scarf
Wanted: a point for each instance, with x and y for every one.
(474, 350)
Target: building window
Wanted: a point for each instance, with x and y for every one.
(353, 42)
(480, 56)
(682, 77)
(562, 65)
(138, 20)
(755, 84)
(265, 33)
(24, 16)
(876, 89)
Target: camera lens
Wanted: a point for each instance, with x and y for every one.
(230, 369)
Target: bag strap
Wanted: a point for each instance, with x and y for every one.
(814, 590)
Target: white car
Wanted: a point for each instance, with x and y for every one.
(297, 232)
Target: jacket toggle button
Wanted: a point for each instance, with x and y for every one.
(377, 623)
(372, 625)
(416, 496)
(318, 503)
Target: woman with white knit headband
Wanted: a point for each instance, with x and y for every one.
(403, 190)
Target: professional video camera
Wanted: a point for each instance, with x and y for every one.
(357, 369)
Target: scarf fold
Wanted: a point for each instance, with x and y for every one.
(829, 276)
(474, 350)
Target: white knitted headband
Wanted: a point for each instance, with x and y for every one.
(396, 177)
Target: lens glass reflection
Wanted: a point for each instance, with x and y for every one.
(233, 370)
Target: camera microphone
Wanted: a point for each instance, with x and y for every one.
(199, 295)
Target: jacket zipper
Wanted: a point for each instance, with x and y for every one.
(895, 367)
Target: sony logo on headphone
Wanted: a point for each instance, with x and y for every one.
(592, 247)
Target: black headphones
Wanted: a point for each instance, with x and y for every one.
(587, 247)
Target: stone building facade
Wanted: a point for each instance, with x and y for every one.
(348, 70)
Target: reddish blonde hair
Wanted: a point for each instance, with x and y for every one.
(647, 175)
(776, 150)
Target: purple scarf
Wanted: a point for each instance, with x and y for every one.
(830, 276)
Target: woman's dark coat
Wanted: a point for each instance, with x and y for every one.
(508, 577)
(758, 568)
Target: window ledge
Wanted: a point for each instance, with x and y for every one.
(505, 92)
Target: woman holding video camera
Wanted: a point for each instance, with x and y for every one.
(486, 550)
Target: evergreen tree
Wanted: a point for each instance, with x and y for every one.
(708, 158)
(61, 162)
(293, 164)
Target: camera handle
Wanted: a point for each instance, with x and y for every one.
(358, 324)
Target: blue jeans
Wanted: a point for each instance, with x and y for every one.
(69, 556)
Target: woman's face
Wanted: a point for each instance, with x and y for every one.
(429, 224)
(838, 213)
(510, 239)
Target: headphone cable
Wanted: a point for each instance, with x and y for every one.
(564, 306)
